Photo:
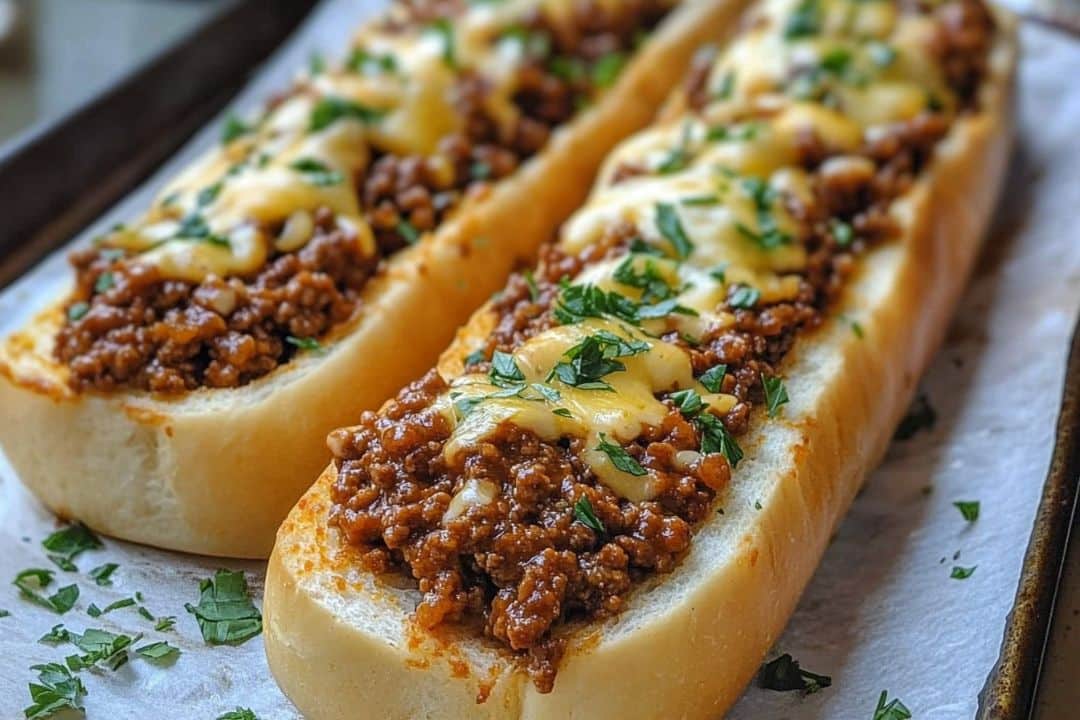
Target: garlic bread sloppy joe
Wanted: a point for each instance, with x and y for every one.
(320, 257)
(609, 494)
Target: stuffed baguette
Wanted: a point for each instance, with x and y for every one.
(320, 258)
(622, 474)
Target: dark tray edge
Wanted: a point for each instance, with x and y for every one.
(1010, 690)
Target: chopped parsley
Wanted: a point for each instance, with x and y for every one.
(159, 652)
(166, 623)
(105, 281)
(194, 227)
(99, 646)
(234, 127)
(445, 31)
(240, 713)
(586, 364)
(562, 412)
(715, 438)
(94, 611)
(77, 311)
(475, 357)
(726, 87)
(962, 573)
(316, 172)
(968, 508)
(407, 231)
(768, 236)
(55, 691)
(33, 581)
(225, 611)
(504, 370)
(584, 514)
(208, 194)
(678, 156)
(304, 343)
(893, 710)
(606, 70)
(784, 674)
(775, 394)
(804, 21)
(368, 63)
(620, 458)
(63, 546)
(733, 133)
(744, 296)
(667, 221)
(102, 574)
(713, 378)
(577, 302)
(842, 232)
(331, 109)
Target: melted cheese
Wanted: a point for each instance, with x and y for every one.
(248, 196)
(619, 414)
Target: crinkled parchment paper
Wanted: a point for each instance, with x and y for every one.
(881, 613)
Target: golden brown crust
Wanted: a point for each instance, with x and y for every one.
(214, 471)
(690, 641)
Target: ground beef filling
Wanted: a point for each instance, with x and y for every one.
(126, 326)
(140, 330)
(524, 562)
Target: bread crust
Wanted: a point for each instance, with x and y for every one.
(215, 470)
(338, 640)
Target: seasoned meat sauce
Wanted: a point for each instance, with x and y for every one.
(128, 327)
(526, 563)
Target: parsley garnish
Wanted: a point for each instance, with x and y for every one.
(534, 289)
(962, 573)
(584, 514)
(968, 508)
(105, 281)
(726, 87)
(620, 458)
(715, 438)
(331, 109)
(304, 343)
(679, 155)
(77, 311)
(577, 302)
(160, 652)
(784, 674)
(65, 545)
(775, 394)
(166, 623)
(367, 63)
(208, 194)
(225, 612)
(667, 221)
(744, 296)
(842, 232)
(504, 370)
(98, 646)
(585, 364)
(768, 235)
(894, 710)
(804, 21)
(735, 133)
(34, 580)
(606, 70)
(194, 227)
(713, 378)
(234, 127)
(407, 232)
(102, 574)
(445, 31)
(240, 713)
(475, 357)
(316, 172)
(55, 691)
(562, 412)
(95, 611)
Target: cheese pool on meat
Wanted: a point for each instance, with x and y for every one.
(712, 193)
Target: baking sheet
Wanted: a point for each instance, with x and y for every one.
(881, 613)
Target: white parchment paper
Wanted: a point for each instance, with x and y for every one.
(882, 612)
